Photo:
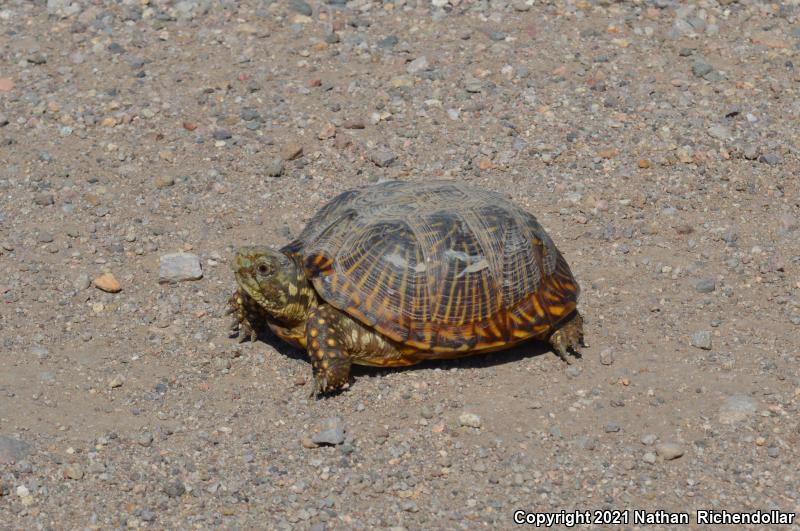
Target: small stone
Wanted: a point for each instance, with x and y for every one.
(327, 131)
(669, 450)
(108, 283)
(382, 158)
(705, 285)
(469, 420)
(177, 267)
(612, 427)
(702, 339)
(221, 364)
(751, 151)
(770, 158)
(644, 164)
(147, 515)
(649, 439)
(43, 199)
(607, 356)
(418, 65)
(6, 84)
(587, 443)
(426, 413)
(116, 381)
(773, 451)
(301, 7)
(701, 68)
(291, 151)
(274, 168)
(332, 432)
(353, 124)
(144, 439)
(737, 408)
(573, 371)
(73, 471)
(388, 42)
(521, 5)
(174, 489)
(164, 181)
(719, 132)
(221, 134)
(649, 458)
(13, 450)
(81, 282)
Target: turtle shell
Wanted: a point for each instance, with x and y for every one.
(437, 266)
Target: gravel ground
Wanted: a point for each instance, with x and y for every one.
(656, 141)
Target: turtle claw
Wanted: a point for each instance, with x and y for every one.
(568, 338)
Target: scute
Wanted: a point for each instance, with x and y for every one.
(438, 266)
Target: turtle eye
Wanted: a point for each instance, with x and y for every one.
(263, 269)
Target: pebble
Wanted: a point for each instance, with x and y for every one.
(612, 427)
(388, 42)
(649, 439)
(144, 439)
(174, 489)
(607, 356)
(649, 457)
(301, 7)
(331, 433)
(43, 199)
(702, 339)
(291, 151)
(12, 449)
(470, 420)
(73, 471)
(770, 158)
(178, 267)
(221, 134)
(417, 65)
(274, 168)
(737, 408)
(116, 381)
(669, 450)
(701, 68)
(705, 285)
(108, 283)
(164, 181)
(40, 352)
(81, 282)
(382, 158)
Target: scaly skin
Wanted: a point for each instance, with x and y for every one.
(274, 292)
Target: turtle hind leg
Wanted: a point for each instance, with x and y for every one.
(568, 337)
(330, 360)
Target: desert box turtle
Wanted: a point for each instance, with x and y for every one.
(401, 272)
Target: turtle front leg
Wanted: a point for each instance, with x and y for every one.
(329, 358)
(569, 336)
(249, 319)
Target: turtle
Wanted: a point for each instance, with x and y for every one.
(400, 272)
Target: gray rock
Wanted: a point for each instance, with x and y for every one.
(611, 427)
(720, 132)
(383, 158)
(770, 158)
(332, 432)
(275, 168)
(221, 134)
(607, 356)
(737, 408)
(177, 267)
(81, 282)
(701, 68)
(174, 489)
(669, 450)
(418, 65)
(705, 285)
(702, 339)
(649, 457)
(470, 420)
(13, 450)
(388, 42)
(144, 439)
(43, 199)
(751, 151)
(649, 439)
(301, 7)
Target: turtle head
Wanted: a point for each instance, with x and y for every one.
(274, 281)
